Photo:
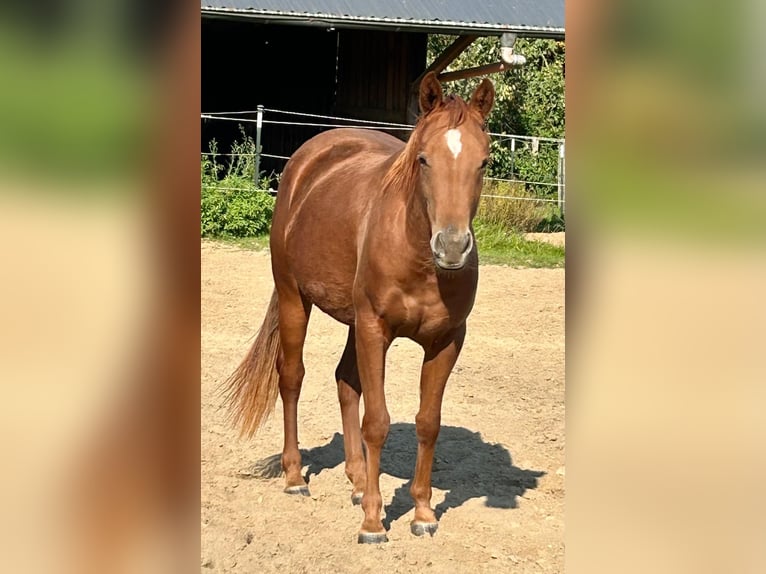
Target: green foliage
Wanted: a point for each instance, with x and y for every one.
(540, 90)
(552, 222)
(210, 168)
(232, 205)
(240, 213)
(528, 100)
(538, 167)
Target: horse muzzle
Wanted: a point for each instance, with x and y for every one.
(451, 248)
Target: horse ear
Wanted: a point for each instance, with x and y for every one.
(430, 92)
(484, 97)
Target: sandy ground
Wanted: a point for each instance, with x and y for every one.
(498, 477)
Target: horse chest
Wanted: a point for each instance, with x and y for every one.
(427, 313)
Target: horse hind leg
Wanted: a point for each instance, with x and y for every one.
(349, 391)
(294, 314)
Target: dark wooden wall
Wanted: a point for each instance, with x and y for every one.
(347, 73)
(246, 64)
(375, 72)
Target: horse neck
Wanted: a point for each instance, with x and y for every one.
(402, 194)
(417, 223)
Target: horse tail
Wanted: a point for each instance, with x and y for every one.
(251, 390)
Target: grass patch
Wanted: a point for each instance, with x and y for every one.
(522, 214)
(498, 246)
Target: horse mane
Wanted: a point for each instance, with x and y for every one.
(403, 172)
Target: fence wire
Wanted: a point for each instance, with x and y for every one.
(530, 167)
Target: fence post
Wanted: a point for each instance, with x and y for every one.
(513, 153)
(561, 176)
(258, 124)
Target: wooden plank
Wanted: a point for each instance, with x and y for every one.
(448, 55)
(477, 71)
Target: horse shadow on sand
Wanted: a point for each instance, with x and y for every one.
(465, 466)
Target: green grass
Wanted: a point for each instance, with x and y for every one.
(497, 246)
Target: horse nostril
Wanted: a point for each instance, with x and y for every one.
(441, 246)
(466, 243)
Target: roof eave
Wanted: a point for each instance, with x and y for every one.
(394, 24)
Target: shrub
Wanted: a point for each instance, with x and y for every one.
(521, 215)
(552, 222)
(232, 205)
(235, 212)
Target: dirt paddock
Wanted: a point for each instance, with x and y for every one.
(498, 478)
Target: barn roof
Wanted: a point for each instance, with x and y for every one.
(529, 18)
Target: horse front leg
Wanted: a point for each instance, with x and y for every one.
(372, 342)
(437, 366)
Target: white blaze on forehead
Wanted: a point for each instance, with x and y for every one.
(453, 142)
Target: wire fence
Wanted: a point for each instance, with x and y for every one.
(523, 168)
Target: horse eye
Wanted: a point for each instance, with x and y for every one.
(484, 163)
(422, 159)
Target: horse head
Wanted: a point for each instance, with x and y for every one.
(452, 150)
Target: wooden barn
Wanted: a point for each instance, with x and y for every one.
(349, 58)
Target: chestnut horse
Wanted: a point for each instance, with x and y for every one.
(378, 235)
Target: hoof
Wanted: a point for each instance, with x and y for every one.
(356, 498)
(372, 538)
(302, 490)
(422, 528)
